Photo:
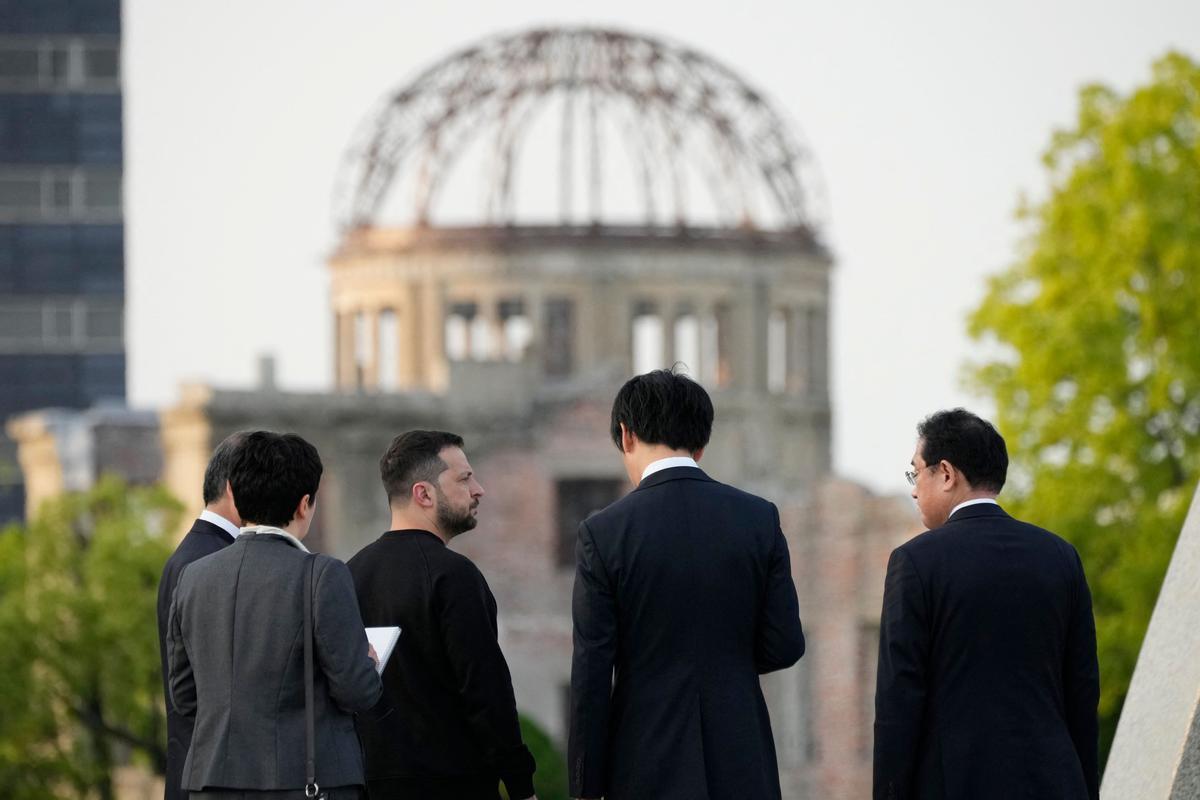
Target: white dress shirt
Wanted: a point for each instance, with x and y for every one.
(220, 522)
(976, 502)
(668, 463)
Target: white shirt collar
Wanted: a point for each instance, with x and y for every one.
(978, 501)
(220, 522)
(253, 529)
(668, 463)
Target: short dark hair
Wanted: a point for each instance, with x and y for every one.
(663, 407)
(970, 443)
(412, 457)
(270, 474)
(217, 472)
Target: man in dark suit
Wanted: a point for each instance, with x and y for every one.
(216, 528)
(684, 587)
(988, 680)
(447, 726)
(236, 643)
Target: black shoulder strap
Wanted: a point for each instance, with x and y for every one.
(310, 748)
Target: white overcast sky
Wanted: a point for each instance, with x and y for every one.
(927, 119)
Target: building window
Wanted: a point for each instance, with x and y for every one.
(30, 63)
(482, 340)
(816, 335)
(60, 194)
(559, 340)
(648, 339)
(459, 317)
(687, 342)
(362, 348)
(20, 62)
(715, 333)
(516, 329)
(60, 325)
(388, 355)
(777, 352)
(577, 499)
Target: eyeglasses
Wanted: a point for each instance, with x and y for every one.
(911, 474)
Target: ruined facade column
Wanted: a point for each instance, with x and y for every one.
(345, 355)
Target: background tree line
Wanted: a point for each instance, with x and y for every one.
(1097, 324)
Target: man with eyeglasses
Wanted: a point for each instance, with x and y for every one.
(988, 680)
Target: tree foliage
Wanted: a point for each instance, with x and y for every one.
(80, 683)
(1097, 382)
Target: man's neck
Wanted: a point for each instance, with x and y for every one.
(403, 521)
(658, 453)
(976, 494)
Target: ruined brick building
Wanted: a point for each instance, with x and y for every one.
(642, 207)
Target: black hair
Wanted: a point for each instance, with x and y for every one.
(216, 474)
(968, 442)
(663, 407)
(412, 457)
(270, 474)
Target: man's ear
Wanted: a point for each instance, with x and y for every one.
(305, 508)
(422, 494)
(628, 439)
(948, 474)
(699, 454)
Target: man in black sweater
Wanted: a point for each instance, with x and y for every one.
(216, 529)
(446, 727)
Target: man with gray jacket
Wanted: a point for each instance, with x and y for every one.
(235, 642)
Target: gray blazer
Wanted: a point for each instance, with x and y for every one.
(235, 653)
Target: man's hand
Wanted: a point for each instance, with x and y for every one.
(374, 656)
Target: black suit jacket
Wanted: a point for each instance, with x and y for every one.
(988, 680)
(203, 539)
(448, 717)
(235, 655)
(684, 588)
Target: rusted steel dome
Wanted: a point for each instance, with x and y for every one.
(597, 126)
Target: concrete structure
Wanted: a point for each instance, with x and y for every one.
(62, 260)
(1156, 752)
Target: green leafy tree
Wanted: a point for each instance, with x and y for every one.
(1097, 327)
(550, 780)
(80, 684)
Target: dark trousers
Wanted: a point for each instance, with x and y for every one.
(336, 793)
(434, 789)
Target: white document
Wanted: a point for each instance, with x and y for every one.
(384, 641)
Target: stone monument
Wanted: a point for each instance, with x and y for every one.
(1156, 752)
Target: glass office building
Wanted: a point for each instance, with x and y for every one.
(62, 238)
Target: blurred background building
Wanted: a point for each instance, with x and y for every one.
(640, 206)
(61, 231)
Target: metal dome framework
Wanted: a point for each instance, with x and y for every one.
(680, 114)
